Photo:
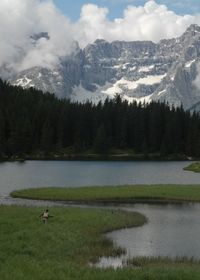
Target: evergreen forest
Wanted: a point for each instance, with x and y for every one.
(32, 122)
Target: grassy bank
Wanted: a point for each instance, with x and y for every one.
(195, 167)
(60, 249)
(154, 193)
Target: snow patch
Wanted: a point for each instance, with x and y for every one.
(23, 82)
(161, 92)
(125, 66)
(123, 87)
(151, 79)
(132, 68)
(56, 73)
(146, 68)
(120, 86)
(120, 66)
(117, 66)
(189, 63)
(124, 84)
(82, 95)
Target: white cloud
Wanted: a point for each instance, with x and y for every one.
(20, 19)
(148, 22)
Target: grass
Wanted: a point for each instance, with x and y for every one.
(195, 167)
(62, 249)
(144, 193)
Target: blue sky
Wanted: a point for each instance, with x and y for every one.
(72, 8)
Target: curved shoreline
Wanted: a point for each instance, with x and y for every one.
(181, 264)
(105, 202)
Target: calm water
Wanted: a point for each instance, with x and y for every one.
(172, 230)
(16, 175)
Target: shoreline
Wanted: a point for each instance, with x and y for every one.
(136, 267)
(97, 157)
(110, 202)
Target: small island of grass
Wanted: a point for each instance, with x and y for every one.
(118, 194)
(195, 167)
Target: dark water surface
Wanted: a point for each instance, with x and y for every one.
(16, 175)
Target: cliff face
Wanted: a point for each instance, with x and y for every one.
(141, 71)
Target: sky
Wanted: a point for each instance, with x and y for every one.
(116, 7)
(67, 21)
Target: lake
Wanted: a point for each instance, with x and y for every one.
(18, 175)
(172, 230)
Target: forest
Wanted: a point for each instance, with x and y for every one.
(33, 123)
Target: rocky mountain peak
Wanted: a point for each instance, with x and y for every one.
(193, 28)
(38, 36)
(191, 35)
(139, 71)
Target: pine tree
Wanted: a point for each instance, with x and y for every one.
(101, 144)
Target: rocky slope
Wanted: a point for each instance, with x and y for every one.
(140, 70)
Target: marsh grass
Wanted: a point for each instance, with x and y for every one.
(126, 193)
(75, 238)
(63, 248)
(60, 249)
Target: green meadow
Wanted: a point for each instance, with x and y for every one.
(61, 249)
(73, 239)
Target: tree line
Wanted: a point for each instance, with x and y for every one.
(32, 122)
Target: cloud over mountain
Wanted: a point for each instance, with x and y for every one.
(20, 20)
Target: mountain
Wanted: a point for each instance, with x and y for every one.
(139, 70)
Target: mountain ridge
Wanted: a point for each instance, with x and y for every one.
(139, 71)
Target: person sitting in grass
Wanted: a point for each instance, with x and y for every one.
(45, 216)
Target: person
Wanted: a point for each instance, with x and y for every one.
(45, 216)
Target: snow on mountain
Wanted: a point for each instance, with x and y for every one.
(24, 82)
(138, 71)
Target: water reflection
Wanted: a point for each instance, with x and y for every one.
(172, 231)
